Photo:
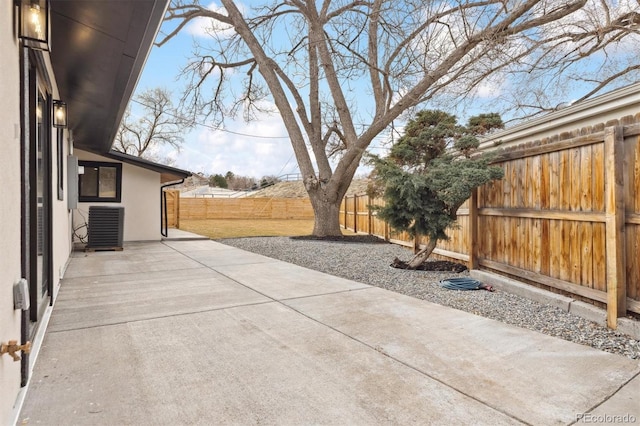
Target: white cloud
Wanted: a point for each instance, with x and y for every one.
(206, 27)
(491, 87)
(219, 151)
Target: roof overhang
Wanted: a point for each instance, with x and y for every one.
(612, 105)
(167, 173)
(98, 51)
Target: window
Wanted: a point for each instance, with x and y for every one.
(100, 182)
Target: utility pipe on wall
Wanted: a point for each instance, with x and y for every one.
(164, 226)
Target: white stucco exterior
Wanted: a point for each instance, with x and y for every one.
(140, 199)
(10, 206)
(61, 215)
(36, 236)
(11, 213)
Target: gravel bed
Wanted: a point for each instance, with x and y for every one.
(369, 263)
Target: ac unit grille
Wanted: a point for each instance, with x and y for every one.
(105, 227)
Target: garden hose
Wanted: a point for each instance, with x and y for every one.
(464, 284)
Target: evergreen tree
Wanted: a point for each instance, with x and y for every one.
(430, 172)
(217, 181)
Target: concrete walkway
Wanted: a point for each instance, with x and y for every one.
(196, 332)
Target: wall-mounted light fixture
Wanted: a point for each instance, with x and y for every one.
(34, 23)
(59, 114)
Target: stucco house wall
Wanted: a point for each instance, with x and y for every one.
(37, 223)
(10, 211)
(140, 199)
(60, 213)
(11, 214)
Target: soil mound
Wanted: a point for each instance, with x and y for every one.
(431, 265)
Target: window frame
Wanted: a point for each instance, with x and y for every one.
(98, 198)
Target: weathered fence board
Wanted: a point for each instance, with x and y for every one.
(238, 208)
(172, 208)
(615, 224)
(566, 217)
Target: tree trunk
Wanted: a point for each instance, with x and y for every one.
(423, 254)
(326, 217)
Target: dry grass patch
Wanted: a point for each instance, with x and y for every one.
(238, 228)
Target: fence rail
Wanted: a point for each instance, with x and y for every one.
(566, 217)
(235, 208)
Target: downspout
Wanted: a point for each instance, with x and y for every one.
(164, 227)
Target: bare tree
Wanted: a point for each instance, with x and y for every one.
(159, 124)
(340, 72)
(239, 183)
(595, 48)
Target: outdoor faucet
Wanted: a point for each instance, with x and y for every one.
(12, 347)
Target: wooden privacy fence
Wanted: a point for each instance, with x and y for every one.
(179, 208)
(566, 217)
(173, 208)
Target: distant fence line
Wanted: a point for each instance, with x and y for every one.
(179, 208)
(566, 217)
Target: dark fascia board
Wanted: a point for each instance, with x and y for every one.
(142, 51)
(168, 173)
(99, 48)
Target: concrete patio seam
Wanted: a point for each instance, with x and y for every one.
(367, 345)
(285, 299)
(177, 314)
(282, 301)
(592, 409)
(127, 273)
(406, 364)
(213, 268)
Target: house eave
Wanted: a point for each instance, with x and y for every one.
(98, 51)
(616, 100)
(167, 173)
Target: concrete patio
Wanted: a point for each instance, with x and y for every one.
(196, 332)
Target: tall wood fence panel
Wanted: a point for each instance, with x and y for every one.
(566, 217)
(245, 208)
(173, 208)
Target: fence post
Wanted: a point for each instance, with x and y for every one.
(615, 225)
(473, 230)
(176, 209)
(369, 215)
(355, 214)
(346, 214)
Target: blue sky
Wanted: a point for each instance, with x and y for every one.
(258, 148)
